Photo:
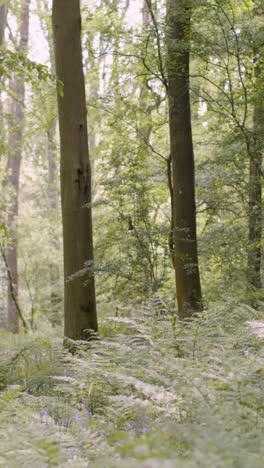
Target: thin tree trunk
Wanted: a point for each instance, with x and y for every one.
(79, 287)
(54, 271)
(54, 274)
(3, 18)
(255, 209)
(189, 298)
(13, 292)
(147, 15)
(13, 166)
(145, 129)
(3, 15)
(255, 151)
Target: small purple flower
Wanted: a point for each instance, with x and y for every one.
(137, 425)
(133, 424)
(147, 418)
(146, 429)
(87, 411)
(77, 417)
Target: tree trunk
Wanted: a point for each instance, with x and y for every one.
(54, 273)
(51, 125)
(13, 166)
(189, 298)
(3, 15)
(79, 288)
(255, 171)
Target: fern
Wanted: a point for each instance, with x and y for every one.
(154, 393)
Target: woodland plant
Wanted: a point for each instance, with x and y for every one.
(155, 392)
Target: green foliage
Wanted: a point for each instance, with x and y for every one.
(18, 63)
(126, 83)
(150, 394)
(26, 362)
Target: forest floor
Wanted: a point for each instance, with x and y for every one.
(150, 393)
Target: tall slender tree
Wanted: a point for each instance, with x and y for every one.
(52, 157)
(255, 151)
(3, 15)
(189, 298)
(79, 286)
(13, 166)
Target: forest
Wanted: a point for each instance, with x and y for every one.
(131, 233)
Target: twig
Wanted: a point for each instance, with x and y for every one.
(12, 291)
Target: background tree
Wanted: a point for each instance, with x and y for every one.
(256, 147)
(3, 15)
(224, 75)
(50, 127)
(13, 170)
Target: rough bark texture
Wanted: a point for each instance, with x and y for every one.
(94, 92)
(79, 288)
(255, 172)
(13, 166)
(3, 15)
(188, 287)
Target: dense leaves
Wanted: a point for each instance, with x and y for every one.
(17, 62)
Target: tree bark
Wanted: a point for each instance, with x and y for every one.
(255, 170)
(189, 298)
(13, 166)
(79, 286)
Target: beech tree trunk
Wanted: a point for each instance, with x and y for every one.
(13, 166)
(255, 171)
(79, 286)
(188, 289)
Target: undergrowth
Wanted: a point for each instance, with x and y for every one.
(151, 392)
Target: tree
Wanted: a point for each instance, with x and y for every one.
(189, 298)
(13, 167)
(52, 158)
(3, 15)
(79, 286)
(255, 152)
(228, 36)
